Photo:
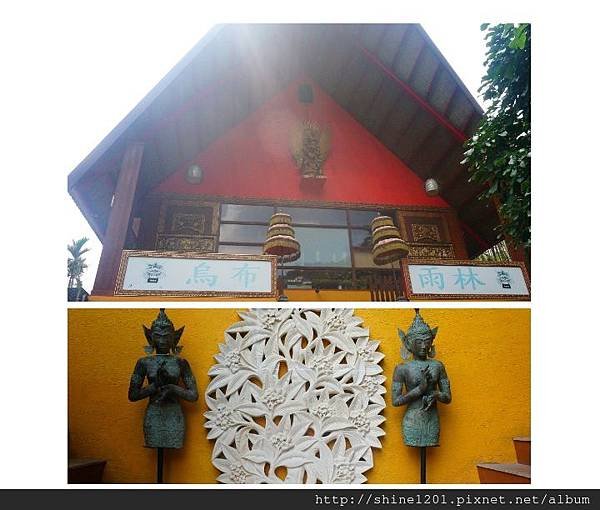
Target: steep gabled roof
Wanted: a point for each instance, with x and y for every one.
(391, 78)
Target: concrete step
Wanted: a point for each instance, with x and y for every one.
(523, 449)
(504, 473)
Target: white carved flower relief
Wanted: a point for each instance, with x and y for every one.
(295, 397)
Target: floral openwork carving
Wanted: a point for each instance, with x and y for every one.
(295, 397)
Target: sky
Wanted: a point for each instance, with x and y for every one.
(109, 76)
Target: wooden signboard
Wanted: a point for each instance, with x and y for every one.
(192, 274)
(465, 279)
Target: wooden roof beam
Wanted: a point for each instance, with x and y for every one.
(459, 135)
(407, 128)
(439, 164)
(362, 78)
(426, 141)
(119, 219)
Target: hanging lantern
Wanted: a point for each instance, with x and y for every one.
(432, 188)
(194, 174)
(388, 246)
(281, 240)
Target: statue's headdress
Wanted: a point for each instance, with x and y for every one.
(417, 328)
(163, 324)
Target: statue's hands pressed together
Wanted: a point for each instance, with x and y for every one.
(165, 391)
(162, 376)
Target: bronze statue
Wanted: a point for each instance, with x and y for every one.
(164, 425)
(425, 382)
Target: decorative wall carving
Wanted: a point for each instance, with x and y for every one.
(295, 397)
(310, 145)
(185, 225)
(188, 223)
(431, 251)
(185, 243)
(426, 227)
(425, 233)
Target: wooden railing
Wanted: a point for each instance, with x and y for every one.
(384, 287)
(383, 284)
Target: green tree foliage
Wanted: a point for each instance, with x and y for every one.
(499, 153)
(76, 263)
(496, 253)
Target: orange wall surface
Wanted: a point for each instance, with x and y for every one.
(486, 353)
(253, 159)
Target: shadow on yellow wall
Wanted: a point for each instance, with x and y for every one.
(486, 353)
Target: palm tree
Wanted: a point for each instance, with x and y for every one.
(76, 263)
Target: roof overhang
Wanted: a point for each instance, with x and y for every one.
(390, 78)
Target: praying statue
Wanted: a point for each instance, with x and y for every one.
(420, 384)
(164, 369)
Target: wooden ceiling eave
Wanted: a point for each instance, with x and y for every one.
(374, 98)
(459, 83)
(393, 131)
(120, 130)
(84, 206)
(377, 64)
(216, 109)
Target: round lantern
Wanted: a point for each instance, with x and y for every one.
(194, 174)
(387, 243)
(281, 240)
(432, 188)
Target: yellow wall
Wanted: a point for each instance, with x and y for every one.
(486, 353)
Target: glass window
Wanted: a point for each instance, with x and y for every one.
(361, 248)
(243, 233)
(362, 218)
(240, 249)
(323, 247)
(330, 240)
(306, 216)
(237, 212)
(361, 239)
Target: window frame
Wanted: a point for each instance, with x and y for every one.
(348, 226)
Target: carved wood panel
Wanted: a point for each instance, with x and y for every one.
(187, 225)
(427, 234)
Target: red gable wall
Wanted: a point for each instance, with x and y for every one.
(253, 160)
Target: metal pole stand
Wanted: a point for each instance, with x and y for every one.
(423, 464)
(160, 459)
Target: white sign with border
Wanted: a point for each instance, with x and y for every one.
(189, 274)
(467, 280)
